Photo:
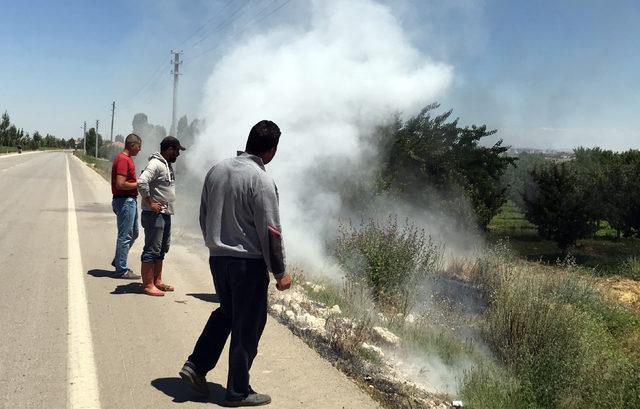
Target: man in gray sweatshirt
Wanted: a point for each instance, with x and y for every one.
(240, 224)
(157, 186)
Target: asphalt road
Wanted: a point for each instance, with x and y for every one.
(73, 336)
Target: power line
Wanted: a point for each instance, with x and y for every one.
(113, 111)
(155, 77)
(222, 24)
(190, 36)
(164, 85)
(146, 85)
(244, 28)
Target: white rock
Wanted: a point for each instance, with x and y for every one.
(385, 336)
(335, 310)
(410, 319)
(277, 308)
(295, 307)
(311, 322)
(289, 297)
(373, 348)
(290, 314)
(317, 288)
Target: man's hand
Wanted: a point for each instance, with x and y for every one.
(154, 205)
(284, 282)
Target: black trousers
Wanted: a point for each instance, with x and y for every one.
(241, 284)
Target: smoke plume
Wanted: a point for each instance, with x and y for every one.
(326, 84)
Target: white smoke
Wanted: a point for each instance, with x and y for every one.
(324, 85)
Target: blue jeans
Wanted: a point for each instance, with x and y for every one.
(126, 210)
(157, 235)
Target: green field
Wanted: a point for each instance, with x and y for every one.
(603, 254)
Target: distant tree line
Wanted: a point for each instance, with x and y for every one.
(433, 163)
(567, 200)
(12, 136)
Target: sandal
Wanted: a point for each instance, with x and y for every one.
(164, 287)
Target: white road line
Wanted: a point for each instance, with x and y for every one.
(82, 378)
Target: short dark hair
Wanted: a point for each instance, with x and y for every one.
(131, 140)
(263, 136)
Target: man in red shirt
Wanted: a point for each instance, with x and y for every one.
(124, 186)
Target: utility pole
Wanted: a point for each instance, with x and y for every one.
(176, 72)
(97, 123)
(84, 138)
(113, 110)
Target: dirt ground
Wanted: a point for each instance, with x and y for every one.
(622, 290)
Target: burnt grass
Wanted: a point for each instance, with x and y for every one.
(370, 378)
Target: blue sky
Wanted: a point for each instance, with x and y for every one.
(544, 73)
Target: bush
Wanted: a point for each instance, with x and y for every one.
(346, 335)
(388, 258)
(631, 267)
(490, 387)
(559, 338)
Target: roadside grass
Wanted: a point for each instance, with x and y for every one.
(327, 293)
(434, 341)
(555, 340)
(631, 266)
(490, 386)
(7, 149)
(560, 343)
(602, 255)
(102, 166)
(12, 149)
(370, 356)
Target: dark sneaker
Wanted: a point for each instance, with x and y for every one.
(252, 399)
(129, 275)
(197, 382)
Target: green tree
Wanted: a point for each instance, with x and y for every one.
(591, 166)
(4, 126)
(517, 177)
(186, 131)
(433, 161)
(12, 135)
(26, 141)
(621, 191)
(36, 140)
(91, 141)
(50, 141)
(558, 207)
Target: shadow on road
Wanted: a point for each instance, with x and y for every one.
(131, 288)
(206, 297)
(102, 273)
(177, 389)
